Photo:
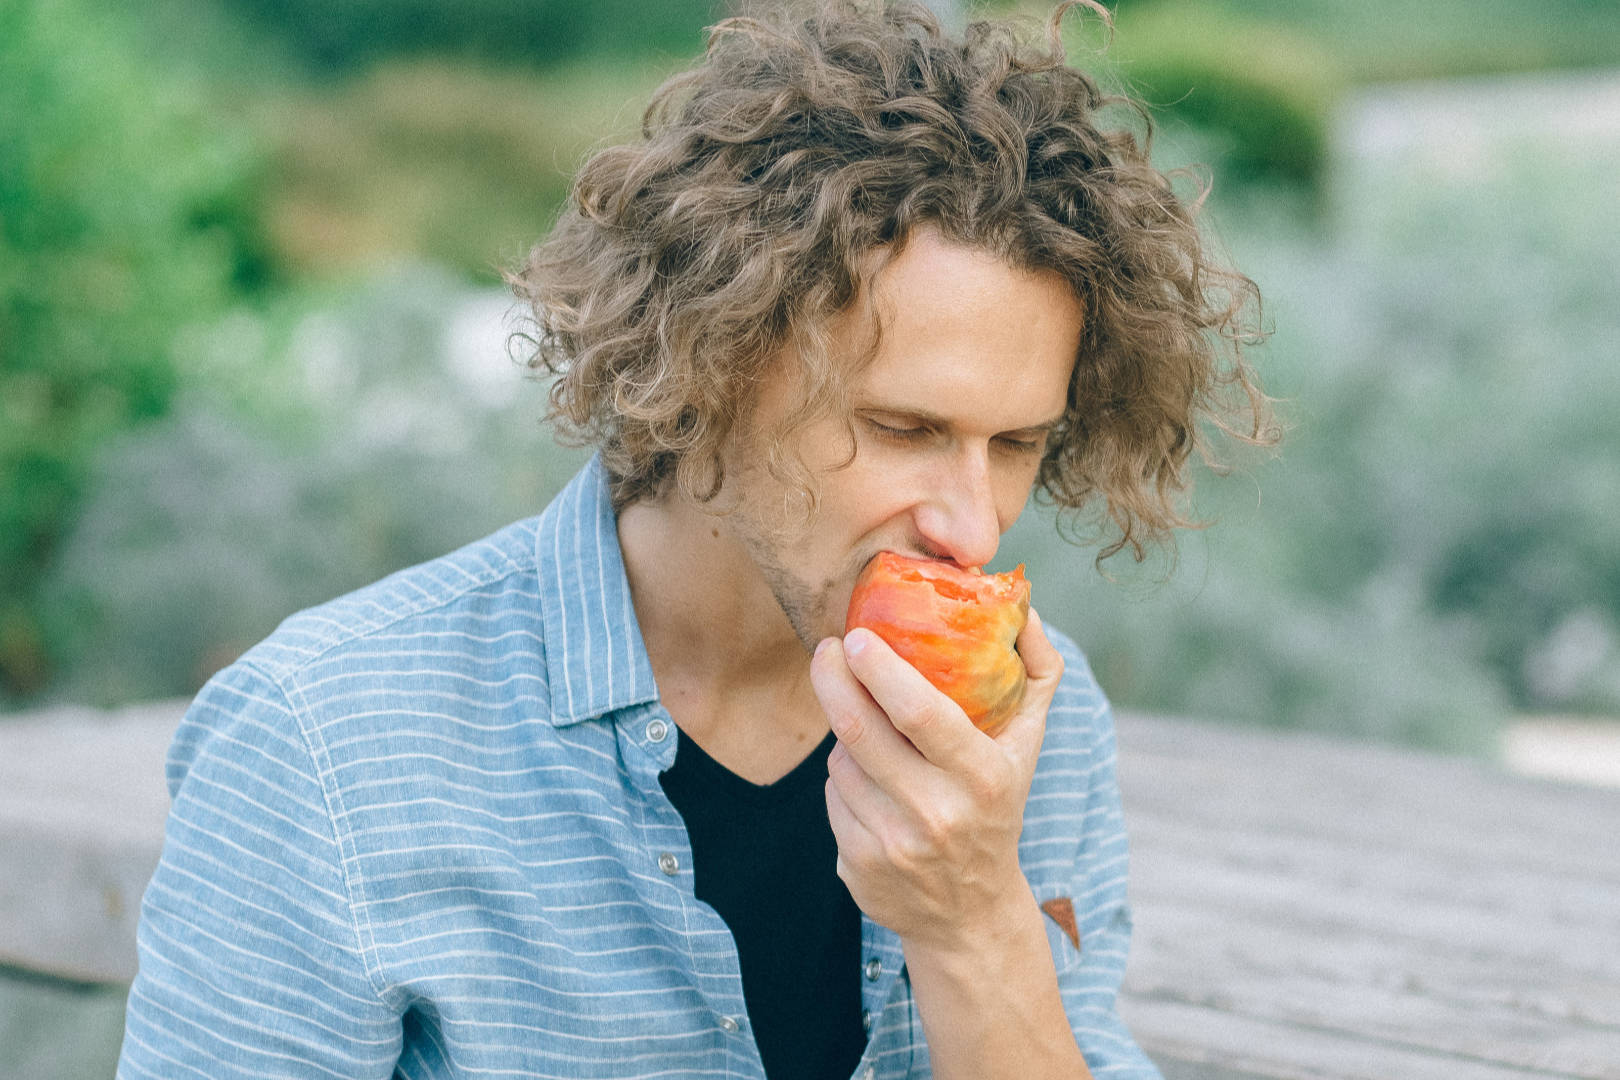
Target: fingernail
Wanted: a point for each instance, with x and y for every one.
(855, 642)
(823, 645)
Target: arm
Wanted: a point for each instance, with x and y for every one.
(992, 1007)
(927, 811)
(250, 954)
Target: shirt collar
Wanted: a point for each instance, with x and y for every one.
(595, 658)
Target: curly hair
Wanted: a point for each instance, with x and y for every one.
(768, 176)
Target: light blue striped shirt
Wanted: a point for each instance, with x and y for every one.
(418, 832)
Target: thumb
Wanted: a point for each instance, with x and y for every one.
(1043, 667)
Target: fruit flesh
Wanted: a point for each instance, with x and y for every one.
(957, 627)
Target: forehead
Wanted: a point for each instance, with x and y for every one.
(961, 332)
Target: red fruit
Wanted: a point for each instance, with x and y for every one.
(955, 626)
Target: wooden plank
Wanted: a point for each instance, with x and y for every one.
(82, 806)
(52, 1030)
(1359, 902)
(1197, 1037)
(1471, 1007)
(1315, 785)
(1392, 893)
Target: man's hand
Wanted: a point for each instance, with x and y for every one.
(927, 809)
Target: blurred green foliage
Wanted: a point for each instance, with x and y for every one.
(464, 163)
(339, 36)
(450, 131)
(1264, 91)
(1383, 41)
(122, 216)
(319, 445)
(1255, 81)
(1434, 547)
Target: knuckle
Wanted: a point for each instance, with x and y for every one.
(905, 852)
(936, 825)
(846, 724)
(858, 862)
(985, 788)
(1046, 672)
(921, 720)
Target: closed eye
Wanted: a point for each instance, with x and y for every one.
(1023, 446)
(897, 434)
(917, 432)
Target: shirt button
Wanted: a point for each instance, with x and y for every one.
(874, 968)
(866, 1020)
(729, 1024)
(657, 731)
(669, 864)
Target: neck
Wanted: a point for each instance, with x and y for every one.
(729, 667)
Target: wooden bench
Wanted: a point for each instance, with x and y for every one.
(1306, 908)
(1312, 908)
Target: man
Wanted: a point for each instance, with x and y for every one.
(608, 794)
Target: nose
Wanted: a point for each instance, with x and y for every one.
(958, 518)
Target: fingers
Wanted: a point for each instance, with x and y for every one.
(1041, 659)
(856, 844)
(1043, 665)
(860, 793)
(863, 728)
(929, 720)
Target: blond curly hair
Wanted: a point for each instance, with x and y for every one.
(807, 140)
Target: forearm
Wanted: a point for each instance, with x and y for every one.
(991, 1009)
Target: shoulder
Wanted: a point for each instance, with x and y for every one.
(457, 637)
(462, 587)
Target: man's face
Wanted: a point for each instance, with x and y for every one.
(950, 421)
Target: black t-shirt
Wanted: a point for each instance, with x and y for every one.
(765, 859)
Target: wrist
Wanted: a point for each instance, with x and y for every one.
(982, 940)
(990, 1001)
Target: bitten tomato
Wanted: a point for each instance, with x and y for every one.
(955, 626)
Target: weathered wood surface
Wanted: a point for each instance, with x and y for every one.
(1309, 908)
(82, 803)
(1305, 908)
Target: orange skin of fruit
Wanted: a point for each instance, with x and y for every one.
(957, 627)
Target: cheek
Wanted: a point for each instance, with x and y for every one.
(871, 489)
(1013, 492)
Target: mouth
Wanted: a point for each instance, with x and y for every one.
(917, 555)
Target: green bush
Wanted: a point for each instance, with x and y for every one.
(1264, 91)
(1383, 41)
(315, 449)
(460, 163)
(342, 35)
(122, 216)
(1435, 546)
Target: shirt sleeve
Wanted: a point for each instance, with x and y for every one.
(1091, 987)
(250, 955)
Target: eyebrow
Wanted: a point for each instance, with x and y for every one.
(936, 420)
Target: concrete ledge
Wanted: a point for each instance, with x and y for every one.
(82, 805)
